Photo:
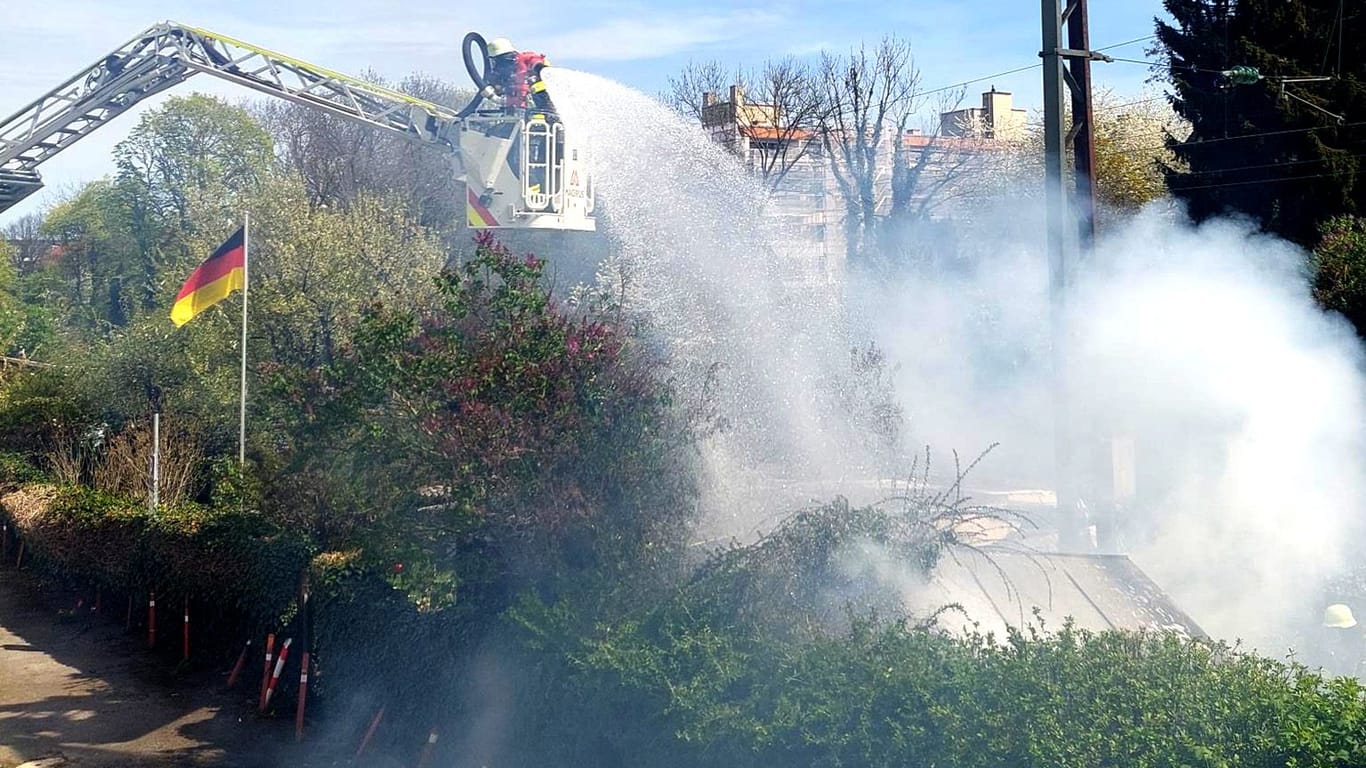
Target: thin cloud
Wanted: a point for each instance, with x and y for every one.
(655, 37)
(809, 49)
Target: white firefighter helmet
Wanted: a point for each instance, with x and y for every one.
(500, 46)
(1338, 616)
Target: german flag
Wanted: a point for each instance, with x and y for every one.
(212, 281)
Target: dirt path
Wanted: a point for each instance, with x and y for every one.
(77, 690)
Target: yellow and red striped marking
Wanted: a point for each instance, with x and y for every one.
(476, 213)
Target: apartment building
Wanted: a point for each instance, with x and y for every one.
(997, 118)
(806, 203)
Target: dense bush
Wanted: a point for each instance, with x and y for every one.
(748, 664)
(17, 469)
(1339, 264)
(236, 559)
(887, 695)
(500, 438)
(684, 689)
(39, 406)
(452, 455)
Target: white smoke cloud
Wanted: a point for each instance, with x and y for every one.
(1201, 344)
(1206, 343)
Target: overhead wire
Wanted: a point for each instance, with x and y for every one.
(978, 80)
(1025, 68)
(1257, 166)
(1328, 47)
(1253, 181)
(1257, 135)
(1236, 169)
(1160, 63)
(1191, 68)
(1113, 46)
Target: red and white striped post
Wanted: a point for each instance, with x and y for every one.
(241, 662)
(151, 619)
(428, 750)
(265, 671)
(279, 667)
(370, 732)
(4, 540)
(185, 639)
(303, 697)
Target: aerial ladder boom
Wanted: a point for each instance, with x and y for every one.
(501, 152)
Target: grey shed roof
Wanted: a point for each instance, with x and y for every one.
(999, 586)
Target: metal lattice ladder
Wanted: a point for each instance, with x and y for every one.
(168, 53)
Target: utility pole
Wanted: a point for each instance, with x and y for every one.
(1067, 249)
(1083, 133)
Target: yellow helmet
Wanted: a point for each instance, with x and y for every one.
(500, 46)
(1338, 616)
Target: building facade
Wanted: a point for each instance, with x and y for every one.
(997, 118)
(918, 174)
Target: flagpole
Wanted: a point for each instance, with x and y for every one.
(246, 279)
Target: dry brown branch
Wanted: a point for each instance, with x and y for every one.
(66, 459)
(125, 467)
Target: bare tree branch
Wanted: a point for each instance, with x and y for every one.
(338, 160)
(685, 92)
(790, 91)
(26, 235)
(867, 94)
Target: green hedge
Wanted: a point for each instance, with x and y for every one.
(369, 637)
(237, 559)
(887, 695)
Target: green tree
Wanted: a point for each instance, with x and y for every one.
(1269, 150)
(1130, 149)
(27, 327)
(190, 147)
(1340, 269)
(192, 156)
(187, 169)
(11, 303)
(97, 258)
(316, 269)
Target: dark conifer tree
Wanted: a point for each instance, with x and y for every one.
(1268, 150)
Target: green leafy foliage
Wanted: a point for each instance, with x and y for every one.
(498, 414)
(1339, 264)
(39, 405)
(17, 469)
(744, 667)
(706, 692)
(238, 558)
(193, 151)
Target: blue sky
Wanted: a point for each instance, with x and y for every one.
(639, 43)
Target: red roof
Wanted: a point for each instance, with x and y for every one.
(921, 141)
(910, 140)
(774, 134)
